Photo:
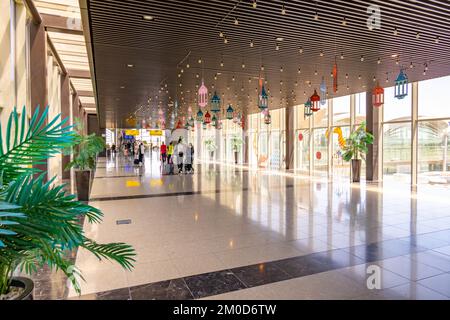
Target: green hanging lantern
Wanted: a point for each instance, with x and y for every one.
(214, 121)
(199, 116)
(230, 112)
(308, 109)
(215, 103)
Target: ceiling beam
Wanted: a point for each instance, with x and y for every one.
(37, 19)
(86, 93)
(62, 24)
(80, 74)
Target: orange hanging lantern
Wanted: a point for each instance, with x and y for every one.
(335, 77)
(315, 101)
(378, 96)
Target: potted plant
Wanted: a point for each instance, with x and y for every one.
(236, 144)
(356, 148)
(211, 147)
(39, 221)
(85, 150)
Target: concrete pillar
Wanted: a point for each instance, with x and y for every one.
(414, 133)
(290, 132)
(65, 113)
(374, 159)
(38, 73)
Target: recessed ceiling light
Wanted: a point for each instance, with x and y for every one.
(122, 87)
(148, 18)
(279, 39)
(394, 56)
(130, 65)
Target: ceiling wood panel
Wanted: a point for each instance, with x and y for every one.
(120, 36)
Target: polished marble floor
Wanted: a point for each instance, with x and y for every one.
(231, 232)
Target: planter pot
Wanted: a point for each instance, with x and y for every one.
(83, 180)
(211, 155)
(26, 284)
(236, 157)
(356, 170)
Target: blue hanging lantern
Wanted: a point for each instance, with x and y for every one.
(323, 92)
(308, 109)
(215, 103)
(401, 85)
(263, 102)
(230, 112)
(199, 116)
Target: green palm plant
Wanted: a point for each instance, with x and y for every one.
(357, 145)
(86, 148)
(236, 143)
(39, 221)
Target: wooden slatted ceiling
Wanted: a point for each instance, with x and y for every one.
(121, 36)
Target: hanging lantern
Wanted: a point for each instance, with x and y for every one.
(335, 77)
(205, 126)
(190, 110)
(199, 116)
(214, 121)
(215, 103)
(243, 123)
(203, 96)
(263, 102)
(207, 118)
(308, 111)
(323, 92)
(401, 85)
(191, 121)
(230, 111)
(268, 118)
(378, 96)
(219, 125)
(315, 101)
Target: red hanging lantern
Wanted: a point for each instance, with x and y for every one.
(315, 101)
(207, 118)
(300, 137)
(378, 96)
(319, 155)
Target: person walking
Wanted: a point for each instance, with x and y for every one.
(180, 152)
(170, 152)
(163, 152)
(141, 153)
(188, 158)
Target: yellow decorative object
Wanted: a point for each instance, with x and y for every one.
(341, 139)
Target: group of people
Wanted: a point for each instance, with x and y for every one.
(135, 149)
(183, 154)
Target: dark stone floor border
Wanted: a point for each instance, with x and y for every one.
(164, 195)
(229, 280)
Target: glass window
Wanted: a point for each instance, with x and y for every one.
(434, 150)
(320, 150)
(275, 153)
(397, 151)
(303, 152)
(360, 107)
(302, 122)
(341, 110)
(396, 109)
(263, 154)
(434, 98)
(321, 117)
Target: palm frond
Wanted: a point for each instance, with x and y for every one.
(26, 148)
(122, 253)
